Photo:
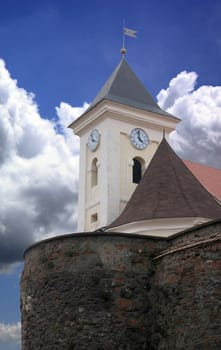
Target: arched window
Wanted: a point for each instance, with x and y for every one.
(94, 172)
(138, 167)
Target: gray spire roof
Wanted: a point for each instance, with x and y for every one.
(168, 189)
(124, 87)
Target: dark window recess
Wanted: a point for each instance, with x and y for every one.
(94, 173)
(137, 171)
(93, 217)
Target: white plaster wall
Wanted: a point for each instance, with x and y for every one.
(115, 154)
(82, 185)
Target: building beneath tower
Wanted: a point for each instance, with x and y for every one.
(143, 272)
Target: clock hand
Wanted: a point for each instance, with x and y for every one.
(139, 138)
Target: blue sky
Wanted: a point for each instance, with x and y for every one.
(63, 51)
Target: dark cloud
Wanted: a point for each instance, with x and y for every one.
(17, 236)
(38, 172)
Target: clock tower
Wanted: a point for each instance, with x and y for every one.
(119, 134)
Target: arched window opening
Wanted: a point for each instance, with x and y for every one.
(94, 172)
(138, 166)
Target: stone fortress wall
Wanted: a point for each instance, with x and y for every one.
(102, 291)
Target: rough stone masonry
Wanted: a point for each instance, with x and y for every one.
(101, 291)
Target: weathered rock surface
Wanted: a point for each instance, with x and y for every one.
(113, 291)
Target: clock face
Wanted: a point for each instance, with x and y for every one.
(93, 140)
(139, 138)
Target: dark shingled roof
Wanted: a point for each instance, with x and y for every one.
(124, 87)
(168, 189)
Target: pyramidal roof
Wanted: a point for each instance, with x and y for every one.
(168, 189)
(124, 87)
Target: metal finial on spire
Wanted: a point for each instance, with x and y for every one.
(123, 51)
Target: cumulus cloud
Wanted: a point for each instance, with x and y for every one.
(10, 333)
(67, 114)
(181, 85)
(198, 136)
(39, 158)
(38, 171)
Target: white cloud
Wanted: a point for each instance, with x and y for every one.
(181, 85)
(10, 333)
(198, 136)
(38, 171)
(68, 113)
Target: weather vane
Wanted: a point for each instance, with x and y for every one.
(129, 32)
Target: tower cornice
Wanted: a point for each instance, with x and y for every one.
(114, 110)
